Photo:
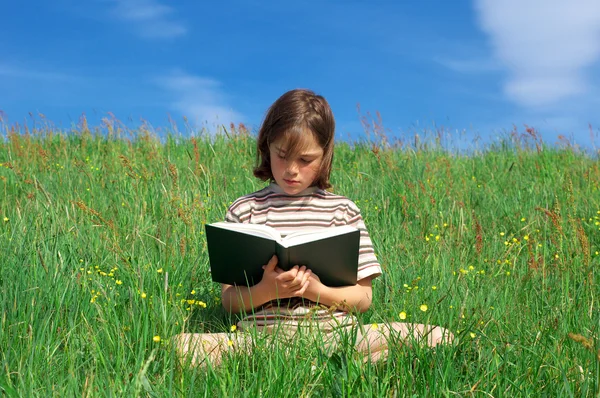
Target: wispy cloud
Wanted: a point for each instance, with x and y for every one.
(19, 72)
(200, 99)
(150, 18)
(547, 46)
(469, 65)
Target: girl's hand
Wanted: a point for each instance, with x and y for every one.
(284, 284)
(315, 288)
(295, 280)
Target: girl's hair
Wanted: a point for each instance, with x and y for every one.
(293, 115)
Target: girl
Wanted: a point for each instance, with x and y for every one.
(295, 151)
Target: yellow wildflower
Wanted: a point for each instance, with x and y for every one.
(472, 335)
(160, 270)
(402, 315)
(156, 339)
(233, 328)
(423, 307)
(230, 343)
(143, 295)
(5, 219)
(374, 326)
(119, 282)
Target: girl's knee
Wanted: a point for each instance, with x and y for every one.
(194, 349)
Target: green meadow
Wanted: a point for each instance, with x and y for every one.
(104, 259)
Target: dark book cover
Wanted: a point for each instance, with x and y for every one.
(237, 258)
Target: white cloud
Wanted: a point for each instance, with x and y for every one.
(546, 45)
(150, 18)
(199, 99)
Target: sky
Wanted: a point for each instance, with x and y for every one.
(471, 71)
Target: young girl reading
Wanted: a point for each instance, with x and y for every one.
(295, 152)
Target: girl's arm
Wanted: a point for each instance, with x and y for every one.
(275, 283)
(357, 297)
(243, 298)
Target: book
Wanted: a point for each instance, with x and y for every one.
(237, 252)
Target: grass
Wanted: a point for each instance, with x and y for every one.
(104, 258)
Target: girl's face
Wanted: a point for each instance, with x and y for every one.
(296, 173)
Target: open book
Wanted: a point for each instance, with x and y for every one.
(237, 252)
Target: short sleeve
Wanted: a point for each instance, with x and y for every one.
(231, 216)
(239, 211)
(368, 265)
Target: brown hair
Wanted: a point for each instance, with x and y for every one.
(291, 116)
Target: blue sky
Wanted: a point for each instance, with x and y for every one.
(472, 68)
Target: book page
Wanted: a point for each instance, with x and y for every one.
(300, 237)
(262, 231)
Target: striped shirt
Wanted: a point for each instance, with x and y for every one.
(310, 209)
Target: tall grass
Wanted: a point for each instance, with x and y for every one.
(104, 259)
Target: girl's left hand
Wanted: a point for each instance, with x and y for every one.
(314, 287)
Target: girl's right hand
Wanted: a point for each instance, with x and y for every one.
(284, 284)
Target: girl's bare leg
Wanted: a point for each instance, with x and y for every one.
(197, 349)
(373, 340)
